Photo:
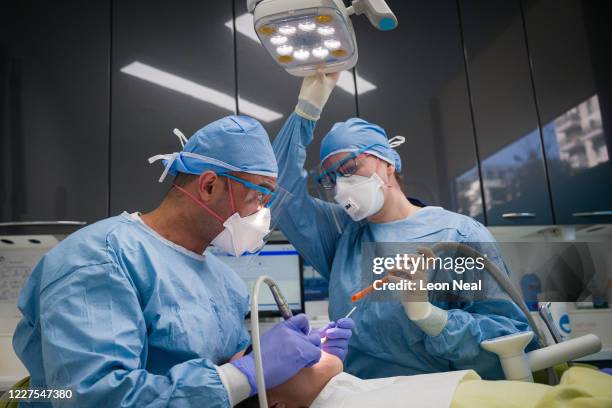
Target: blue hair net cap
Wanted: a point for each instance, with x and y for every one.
(356, 135)
(233, 143)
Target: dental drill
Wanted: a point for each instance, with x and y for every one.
(285, 310)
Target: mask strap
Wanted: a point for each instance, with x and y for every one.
(201, 204)
(396, 141)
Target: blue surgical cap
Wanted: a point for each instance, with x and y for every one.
(233, 143)
(358, 135)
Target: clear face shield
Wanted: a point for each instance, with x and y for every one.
(270, 255)
(246, 235)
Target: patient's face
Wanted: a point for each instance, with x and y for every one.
(303, 388)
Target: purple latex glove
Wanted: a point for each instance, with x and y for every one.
(285, 349)
(338, 334)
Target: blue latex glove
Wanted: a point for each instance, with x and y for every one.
(338, 334)
(285, 349)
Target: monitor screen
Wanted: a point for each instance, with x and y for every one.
(281, 262)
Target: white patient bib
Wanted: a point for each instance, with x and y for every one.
(423, 391)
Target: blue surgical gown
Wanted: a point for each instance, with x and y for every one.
(123, 317)
(385, 341)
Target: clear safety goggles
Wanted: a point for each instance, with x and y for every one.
(346, 167)
(262, 195)
(276, 202)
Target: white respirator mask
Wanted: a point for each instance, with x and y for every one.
(360, 196)
(239, 234)
(243, 234)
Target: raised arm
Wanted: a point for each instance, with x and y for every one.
(310, 224)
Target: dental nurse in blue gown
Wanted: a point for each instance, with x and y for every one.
(359, 166)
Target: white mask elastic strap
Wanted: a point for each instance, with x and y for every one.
(396, 141)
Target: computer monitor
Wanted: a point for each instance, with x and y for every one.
(281, 262)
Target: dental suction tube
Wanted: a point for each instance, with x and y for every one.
(285, 310)
(501, 277)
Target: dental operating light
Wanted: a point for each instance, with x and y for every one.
(308, 36)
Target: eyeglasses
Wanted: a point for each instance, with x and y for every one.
(261, 195)
(345, 168)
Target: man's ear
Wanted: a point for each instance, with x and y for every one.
(390, 169)
(207, 183)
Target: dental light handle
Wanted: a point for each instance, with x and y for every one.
(377, 11)
(286, 313)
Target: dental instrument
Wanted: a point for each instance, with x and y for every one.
(280, 300)
(285, 312)
(324, 339)
(363, 292)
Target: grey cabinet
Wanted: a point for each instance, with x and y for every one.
(270, 94)
(505, 117)
(418, 90)
(172, 67)
(570, 45)
(506, 105)
(54, 114)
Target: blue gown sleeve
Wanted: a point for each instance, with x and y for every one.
(466, 327)
(459, 341)
(94, 342)
(307, 222)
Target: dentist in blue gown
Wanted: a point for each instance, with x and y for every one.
(359, 166)
(129, 312)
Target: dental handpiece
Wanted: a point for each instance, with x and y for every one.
(280, 300)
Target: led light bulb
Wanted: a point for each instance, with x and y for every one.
(326, 30)
(284, 59)
(287, 30)
(278, 40)
(307, 26)
(267, 29)
(301, 54)
(320, 52)
(332, 44)
(284, 50)
(324, 18)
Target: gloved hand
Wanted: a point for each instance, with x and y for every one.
(428, 317)
(314, 94)
(416, 301)
(285, 349)
(338, 334)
